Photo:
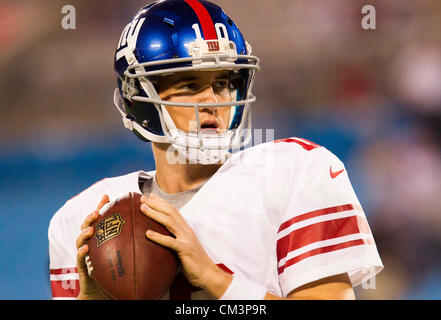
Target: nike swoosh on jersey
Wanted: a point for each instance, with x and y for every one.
(335, 174)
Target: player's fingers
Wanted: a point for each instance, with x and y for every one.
(161, 218)
(161, 239)
(94, 215)
(159, 204)
(82, 251)
(103, 201)
(84, 235)
(90, 219)
(81, 254)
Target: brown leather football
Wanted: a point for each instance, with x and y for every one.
(126, 265)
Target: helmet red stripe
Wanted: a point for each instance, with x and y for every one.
(204, 18)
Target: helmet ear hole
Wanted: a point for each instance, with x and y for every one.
(147, 116)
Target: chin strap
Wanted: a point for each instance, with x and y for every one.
(118, 102)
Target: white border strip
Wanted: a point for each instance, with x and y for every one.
(66, 276)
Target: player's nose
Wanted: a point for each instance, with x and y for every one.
(208, 96)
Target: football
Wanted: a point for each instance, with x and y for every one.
(125, 264)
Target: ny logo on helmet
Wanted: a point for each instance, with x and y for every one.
(213, 45)
(128, 39)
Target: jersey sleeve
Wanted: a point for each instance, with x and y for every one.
(65, 227)
(324, 231)
(62, 256)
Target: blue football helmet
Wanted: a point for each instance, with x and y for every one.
(172, 36)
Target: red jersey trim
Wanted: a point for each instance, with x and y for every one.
(65, 288)
(64, 270)
(319, 212)
(326, 249)
(306, 144)
(321, 231)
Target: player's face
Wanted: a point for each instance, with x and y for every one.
(198, 87)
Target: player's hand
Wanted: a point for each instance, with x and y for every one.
(197, 266)
(88, 289)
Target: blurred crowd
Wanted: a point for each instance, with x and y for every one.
(373, 97)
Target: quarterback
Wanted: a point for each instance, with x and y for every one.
(278, 220)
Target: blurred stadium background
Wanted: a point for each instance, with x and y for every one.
(372, 97)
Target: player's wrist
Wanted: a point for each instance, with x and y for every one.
(242, 288)
(216, 282)
(84, 297)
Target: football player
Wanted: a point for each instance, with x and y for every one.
(290, 227)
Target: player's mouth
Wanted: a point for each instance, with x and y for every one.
(210, 127)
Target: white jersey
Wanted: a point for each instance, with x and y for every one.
(281, 214)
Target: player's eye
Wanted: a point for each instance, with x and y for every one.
(189, 86)
(220, 85)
